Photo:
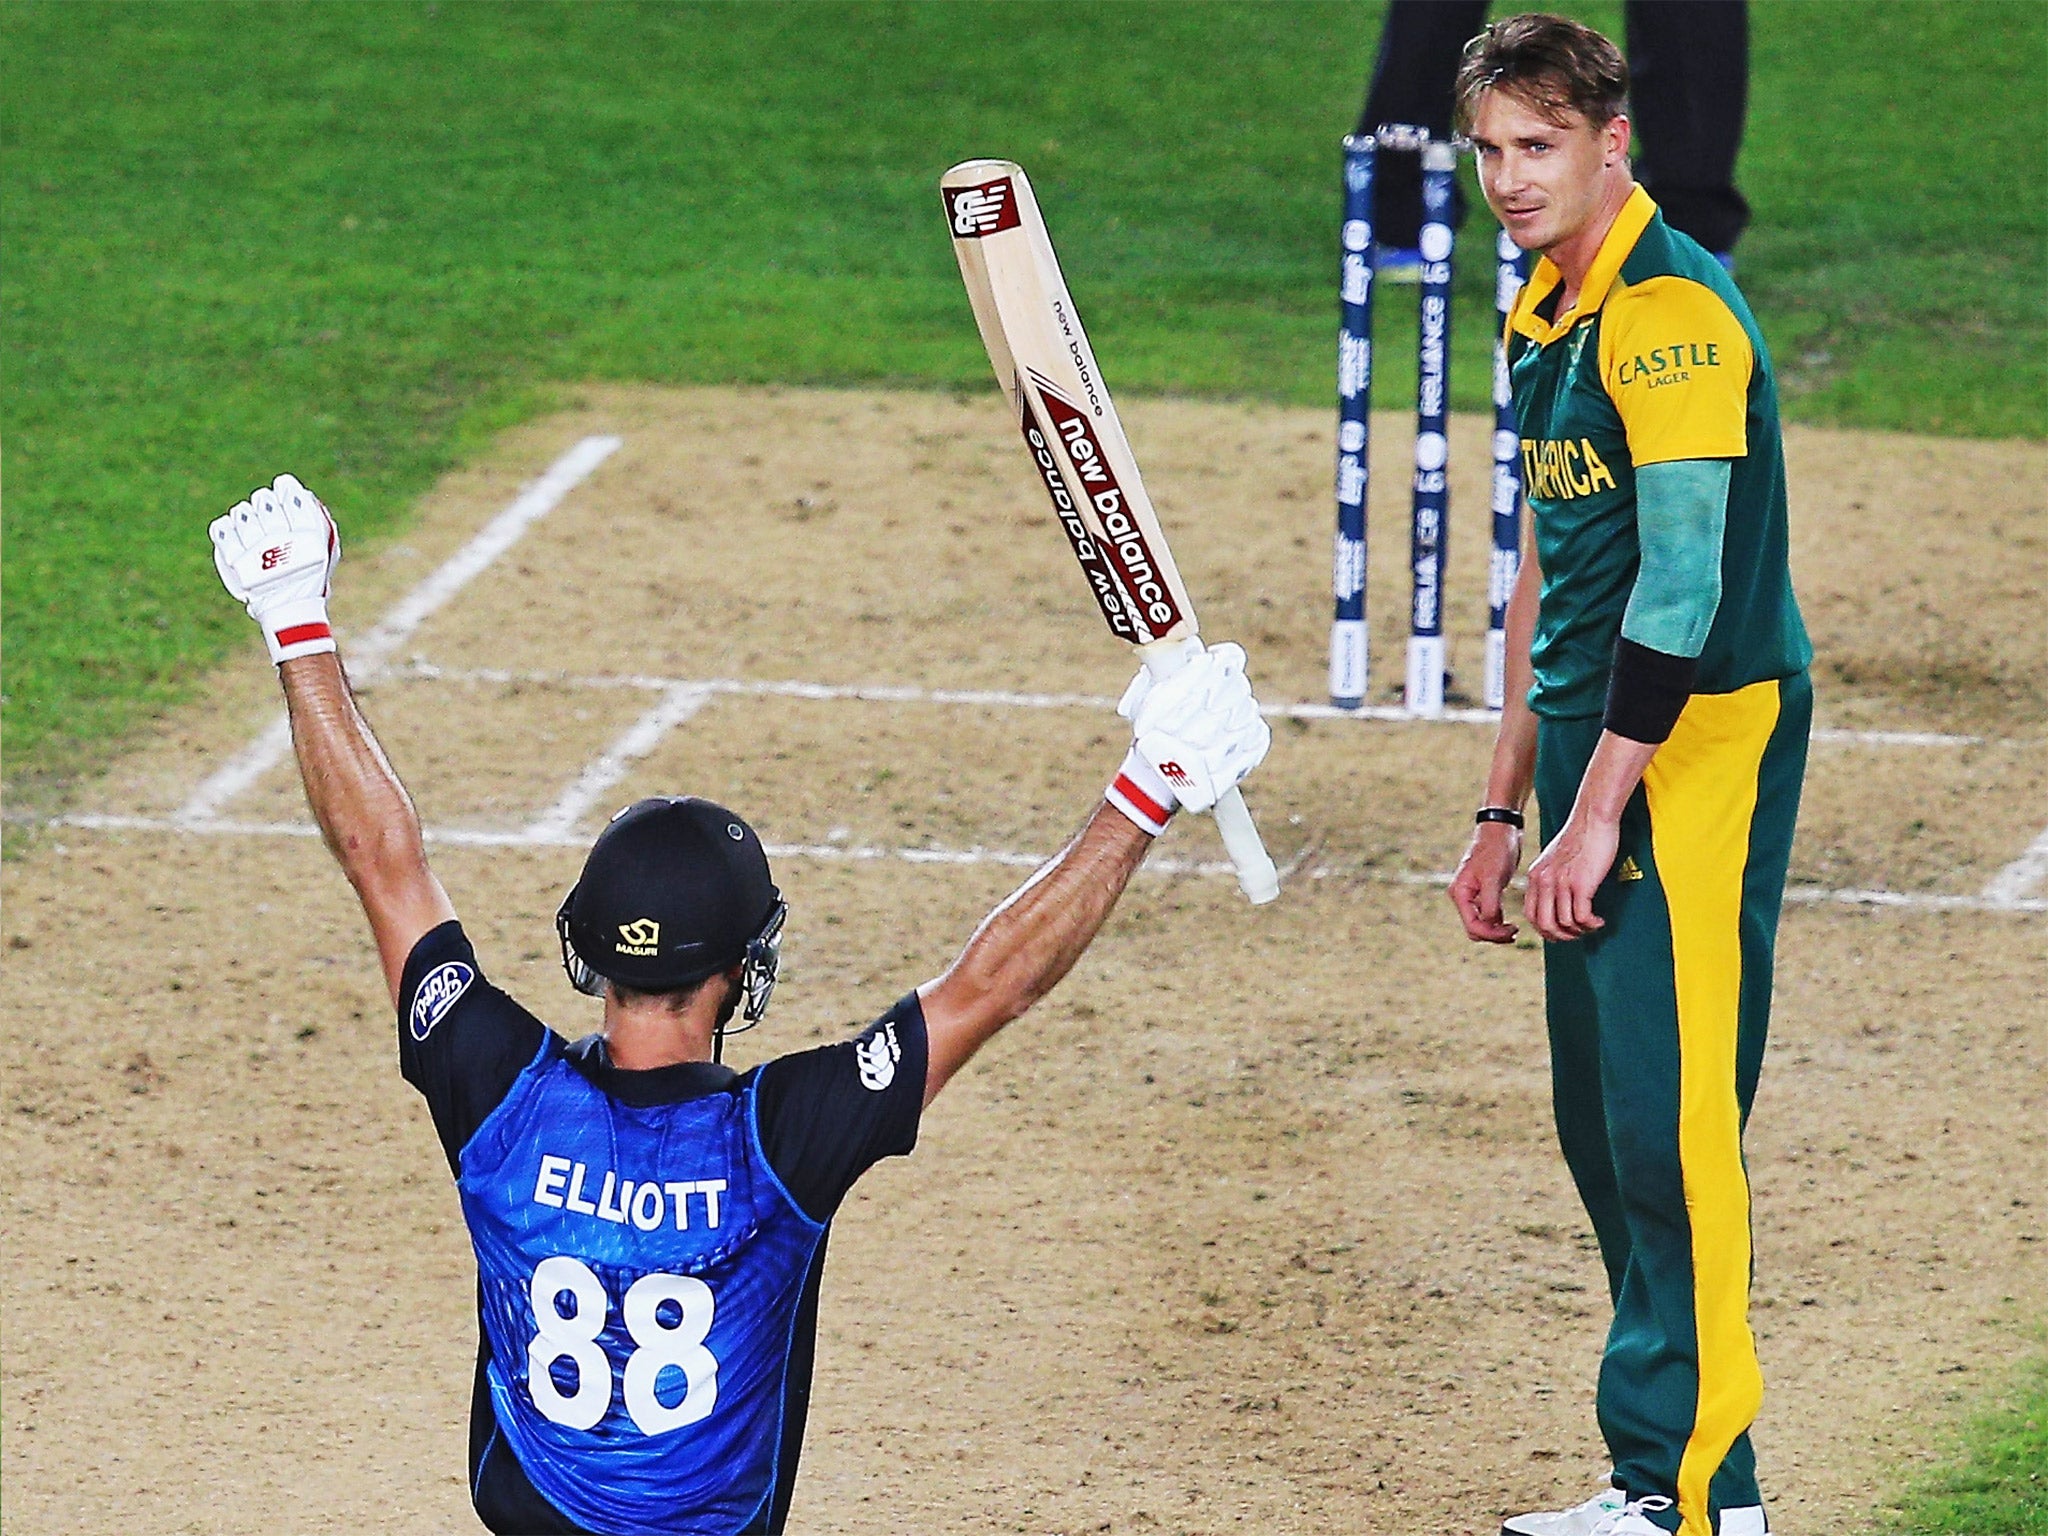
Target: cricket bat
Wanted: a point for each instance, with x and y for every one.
(1046, 367)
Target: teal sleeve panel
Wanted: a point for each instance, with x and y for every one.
(1681, 515)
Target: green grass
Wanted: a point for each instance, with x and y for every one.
(355, 239)
(1998, 1484)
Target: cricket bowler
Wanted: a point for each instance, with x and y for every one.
(1658, 704)
(650, 1225)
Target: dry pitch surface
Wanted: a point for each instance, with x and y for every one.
(1257, 1224)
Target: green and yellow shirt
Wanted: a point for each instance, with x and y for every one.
(1659, 361)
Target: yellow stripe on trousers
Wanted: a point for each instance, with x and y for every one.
(1702, 787)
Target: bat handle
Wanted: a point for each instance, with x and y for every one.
(1256, 876)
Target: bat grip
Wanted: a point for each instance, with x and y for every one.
(1256, 876)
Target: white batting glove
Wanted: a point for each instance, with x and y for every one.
(276, 553)
(1196, 734)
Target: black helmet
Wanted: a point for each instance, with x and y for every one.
(676, 889)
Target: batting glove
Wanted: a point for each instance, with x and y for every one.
(1196, 733)
(276, 553)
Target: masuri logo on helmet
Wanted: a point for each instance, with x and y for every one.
(639, 937)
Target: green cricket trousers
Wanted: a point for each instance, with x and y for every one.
(1657, 1025)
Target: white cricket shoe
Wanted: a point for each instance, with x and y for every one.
(1584, 1519)
(1633, 1518)
(1576, 1521)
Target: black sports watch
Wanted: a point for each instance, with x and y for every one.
(1505, 813)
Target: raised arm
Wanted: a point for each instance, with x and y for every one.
(1195, 735)
(365, 815)
(276, 552)
(1023, 948)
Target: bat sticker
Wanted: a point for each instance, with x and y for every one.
(1101, 582)
(988, 209)
(1140, 573)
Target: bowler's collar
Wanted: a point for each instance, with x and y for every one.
(1621, 239)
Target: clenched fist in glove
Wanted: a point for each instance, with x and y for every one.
(1197, 732)
(276, 553)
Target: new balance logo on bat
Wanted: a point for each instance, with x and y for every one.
(984, 210)
(1100, 582)
(1137, 569)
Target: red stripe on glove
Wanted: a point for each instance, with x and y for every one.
(1139, 799)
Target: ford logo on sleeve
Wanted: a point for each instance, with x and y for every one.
(442, 989)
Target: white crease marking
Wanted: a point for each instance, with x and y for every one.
(368, 655)
(675, 706)
(2012, 883)
(529, 837)
(370, 660)
(240, 771)
(998, 698)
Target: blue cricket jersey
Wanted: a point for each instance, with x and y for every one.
(648, 1247)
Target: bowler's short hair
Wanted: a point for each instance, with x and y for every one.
(1558, 66)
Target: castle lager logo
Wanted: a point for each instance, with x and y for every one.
(1667, 365)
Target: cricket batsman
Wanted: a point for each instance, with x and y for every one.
(1658, 704)
(650, 1225)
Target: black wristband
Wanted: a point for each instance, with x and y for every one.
(1506, 813)
(1647, 691)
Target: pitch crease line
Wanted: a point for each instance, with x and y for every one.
(998, 698)
(1807, 895)
(675, 706)
(2012, 883)
(368, 655)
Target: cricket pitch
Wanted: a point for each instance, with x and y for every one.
(1257, 1223)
